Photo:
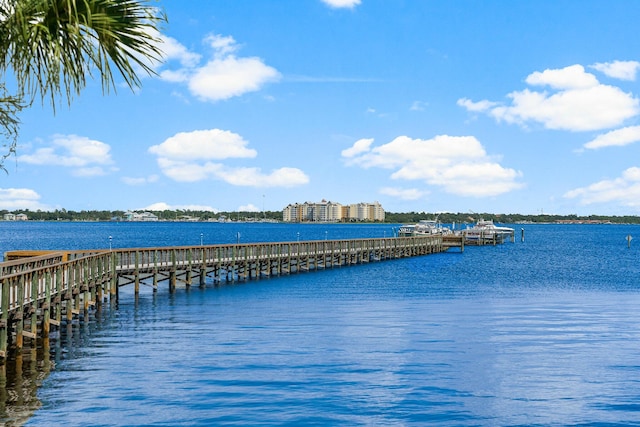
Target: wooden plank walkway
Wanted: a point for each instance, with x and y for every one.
(41, 289)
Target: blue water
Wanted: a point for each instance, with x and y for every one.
(541, 332)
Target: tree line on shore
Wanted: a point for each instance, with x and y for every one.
(390, 217)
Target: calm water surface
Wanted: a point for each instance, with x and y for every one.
(541, 332)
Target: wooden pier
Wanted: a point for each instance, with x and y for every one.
(41, 289)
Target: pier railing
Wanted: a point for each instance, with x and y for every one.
(40, 289)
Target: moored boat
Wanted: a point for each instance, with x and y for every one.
(485, 231)
(425, 227)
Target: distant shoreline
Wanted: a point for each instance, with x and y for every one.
(276, 218)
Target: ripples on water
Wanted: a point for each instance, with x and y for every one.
(536, 333)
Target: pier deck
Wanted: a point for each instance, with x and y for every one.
(45, 288)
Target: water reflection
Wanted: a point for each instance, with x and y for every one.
(24, 371)
(20, 378)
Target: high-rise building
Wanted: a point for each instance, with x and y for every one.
(326, 211)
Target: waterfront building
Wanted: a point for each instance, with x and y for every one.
(327, 211)
(15, 217)
(139, 216)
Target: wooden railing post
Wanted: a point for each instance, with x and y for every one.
(155, 270)
(189, 259)
(172, 273)
(4, 317)
(46, 307)
(203, 268)
(19, 312)
(136, 274)
(114, 276)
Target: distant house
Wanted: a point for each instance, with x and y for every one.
(15, 217)
(139, 216)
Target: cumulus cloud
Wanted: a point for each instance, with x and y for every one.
(187, 157)
(623, 70)
(619, 137)
(457, 164)
(222, 76)
(575, 101)
(21, 198)
(624, 190)
(337, 4)
(204, 144)
(360, 146)
(572, 77)
(173, 50)
(86, 157)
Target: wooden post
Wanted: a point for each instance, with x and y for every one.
(114, 277)
(69, 295)
(4, 318)
(136, 274)
(189, 259)
(86, 284)
(58, 299)
(172, 273)
(46, 313)
(33, 309)
(19, 313)
(203, 269)
(98, 296)
(155, 271)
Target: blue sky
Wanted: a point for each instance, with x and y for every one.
(481, 106)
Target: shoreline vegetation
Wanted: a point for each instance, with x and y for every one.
(276, 216)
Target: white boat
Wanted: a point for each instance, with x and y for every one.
(426, 227)
(486, 231)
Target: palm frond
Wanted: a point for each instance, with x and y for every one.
(53, 46)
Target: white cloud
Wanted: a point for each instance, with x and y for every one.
(623, 70)
(20, 198)
(204, 144)
(359, 147)
(402, 193)
(228, 77)
(223, 76)
(476, 106)
(579, 102)
(624, 190)
(459, 165)
(253, 177)
(571, 77)
(337, 4)
(87, 157)
(173, 50)
(186, 157)
(618, 137)
(248, 208)
(221, 45)
(418, 106)
(162, 206)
